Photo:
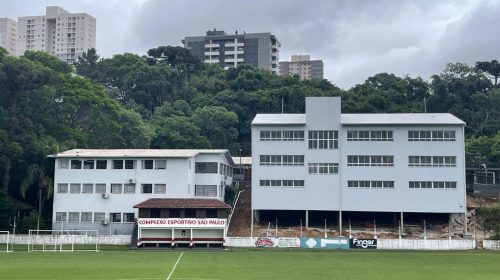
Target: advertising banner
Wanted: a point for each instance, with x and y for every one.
(324, 243)
(265, 242)
(288, 242)
(356, 243)
(181, 223)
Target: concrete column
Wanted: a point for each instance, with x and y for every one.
(402, 224)
(340, 222)
(307, 219)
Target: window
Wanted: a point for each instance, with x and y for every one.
(76, 164)
(86, 216)
(206, 167)
(147, 188)
(100, 188)
(116, 188)
(101, 164)
(128, 217)
(371, 184)
(74, 217)
(431, 135)
(432, 185)
(205, 190)
(282, 160)
(189, 213)
(281, 135)
(172, 213)
(147, 164)
(129, 164)
(74, 188)
(160, 188)
(432, 161)
(211, 213)
(160, 164)
(370, 160)
(63, 163)
(323, 168)
(117, 164)
(129, 188)
(116, 217)
(62, 188)
(88, 164)
(99, 216)
(88, 188)
(323, 139)
(282, 183)
(60, 216)
(370, 135)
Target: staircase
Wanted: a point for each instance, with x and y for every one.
(133, 239)
(240, 221)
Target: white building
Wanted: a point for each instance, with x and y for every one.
(327, 161)
(58, 32)
(98, 189)
(303, 66)
(8, 31)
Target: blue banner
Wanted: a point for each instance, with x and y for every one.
(324, 243)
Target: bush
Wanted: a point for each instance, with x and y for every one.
(30, 222)
(489, 220)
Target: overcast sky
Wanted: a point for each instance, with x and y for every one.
(355, 39)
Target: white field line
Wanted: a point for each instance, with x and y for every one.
(175, 265)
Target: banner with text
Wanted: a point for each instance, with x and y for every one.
(181, 223)
(356, 243)
(324, 243)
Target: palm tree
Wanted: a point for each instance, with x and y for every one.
(35, 173)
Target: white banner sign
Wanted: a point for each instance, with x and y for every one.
(288, 242)
(181, 223)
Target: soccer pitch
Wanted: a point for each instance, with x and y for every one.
(250, 264)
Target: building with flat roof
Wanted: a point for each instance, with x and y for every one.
(98, 189)
(324, 160)
(61, 33)
(303, 66)
(8, 31)
(260, 50)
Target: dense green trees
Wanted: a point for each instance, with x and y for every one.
(170, 99)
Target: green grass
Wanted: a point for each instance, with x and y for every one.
(251, 264)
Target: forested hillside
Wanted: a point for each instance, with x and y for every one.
(169, 99)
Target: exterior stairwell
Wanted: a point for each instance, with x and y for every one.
(240, 220)
(133, 239)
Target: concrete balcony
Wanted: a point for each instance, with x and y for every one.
(212, 60)
(211, 45)
(233, 52)
(212, 53)
(233, 44)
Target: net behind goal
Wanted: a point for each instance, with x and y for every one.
(63, 240)
(6, 242)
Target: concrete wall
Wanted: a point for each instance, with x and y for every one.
(491, 244)
(78, 239)
(408, 244)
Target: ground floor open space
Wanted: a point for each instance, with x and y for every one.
(250, 264)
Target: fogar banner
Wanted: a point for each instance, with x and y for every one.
(356, 243)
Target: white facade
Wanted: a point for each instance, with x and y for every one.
(58, 32)
(357, 162)
(97, 189)
(8, 31)
(303, 66)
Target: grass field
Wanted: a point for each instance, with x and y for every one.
(251, 264)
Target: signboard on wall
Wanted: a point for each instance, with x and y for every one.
(265, 242)
(181, 223)
(324, 243)
(356, 243)
(288, 242)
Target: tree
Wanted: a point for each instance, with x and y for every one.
(218, 125)
(178, 132)
(88, 65)
(177, 57)
(37, 175)
(492, 68)
(48, 61)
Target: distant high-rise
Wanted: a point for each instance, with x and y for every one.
(258, 49)
(8, 33)
(303, 66)
(58, 32)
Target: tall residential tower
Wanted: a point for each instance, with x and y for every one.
(258, 49)
(303, 66)
(8, 30)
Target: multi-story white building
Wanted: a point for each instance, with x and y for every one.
(260, 50)
(58, 32)
(8, 31)
(327, 161)
(98, 189)
(303, 66)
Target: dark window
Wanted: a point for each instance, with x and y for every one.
(128, 217)
(116, 217)
(190, 213)
(174, 213)
(101, 164)
(117, 164)
(129, 164)
(206, 167)
(76, 164)
(155, 213)
(147, 188)
(147, 164)
(211, 213)
(88, 164)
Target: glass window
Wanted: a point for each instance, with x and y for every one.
(86, 216)
(99, 216)
(100, 188)
(88, 188)
(211, 213)
(60, 216)
(76, 164)
(117, 164)
(147, 188)
(88, 164)
(62, 188)
(75, 188)
(205, 190)
(147, 164)
(160, 164)
(116, 188)
(63, 163)
(74, 217)
(116, 217)
(206, 167)
(128, 217)
(101, 164)
(129, 164)
(129, 188)
(160, 188)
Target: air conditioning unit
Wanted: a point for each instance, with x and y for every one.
(131, 181)
(105, 195)
(105, 221)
